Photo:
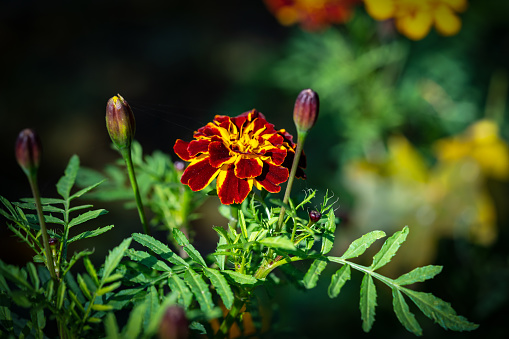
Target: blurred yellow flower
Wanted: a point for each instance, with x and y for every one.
(414, 18)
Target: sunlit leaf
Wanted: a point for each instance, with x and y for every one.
(313, 273)
(359, 246)
(338, 280)
(389, 249)
(66, 182)
(418, 274)
(159, 248)
(405, 317)
(200, 289)
(367, 302)
(241, 278)
(222, 287)
(183, 241)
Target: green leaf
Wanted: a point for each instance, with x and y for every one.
(278, 242)
(367, 302)
(61, 294)
(241, 278)
(34, 277)
(152, 300)
(111, 326)
(89, 215)
(90, 234)
(159, 248)
(134, 324)
(359, 246)
(439, 311)
(91, 270)
(312, 275)
(389, 249)
(418, 274)
(85, 190)
(102, 308)
(221, 259)
(147, 260)
(193, 253)
(108, 288)
(338, 280)
(84, 287)
(66, 182)
(177, 285)
(200, 289)
(114, 258)
(405, 317)
(242, 224)
(328, 236)
(14, 274)
(219, 282)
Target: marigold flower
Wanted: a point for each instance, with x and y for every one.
(241, 152)
(120, 122)
(311, 14)
(28, 151)
(414, 18)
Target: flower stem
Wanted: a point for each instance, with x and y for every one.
(301, 137)
(126, 154)
(227, 323)
(32, 179)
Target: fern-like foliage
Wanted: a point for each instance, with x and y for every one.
(74, 300)
(172, 203)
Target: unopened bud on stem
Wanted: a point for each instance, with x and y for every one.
(120, 122)
(305, 111)
(28, 151)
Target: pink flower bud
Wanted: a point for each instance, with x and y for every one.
(120, 122)
(305, 111)
(174, 324)
(28, 151)
(315, 216)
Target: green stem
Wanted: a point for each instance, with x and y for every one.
(49, 257)
(301, 137)
(227, 323)
(264, 270)
(126, 154)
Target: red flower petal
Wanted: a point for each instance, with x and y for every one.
(277, 155)
(218, 153)
(198, 146)
(199, 174)
(180, 149)
(248, 168)
(231, 189)
(272, 176)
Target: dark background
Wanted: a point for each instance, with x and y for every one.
(180, 63)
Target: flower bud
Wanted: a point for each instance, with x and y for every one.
(28, 151)
(120, 122)
(314, 216)
(174, 324)
(305, 111)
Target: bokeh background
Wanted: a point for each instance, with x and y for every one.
(411, 131)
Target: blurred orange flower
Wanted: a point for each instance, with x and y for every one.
(311, 14)
(414, 18)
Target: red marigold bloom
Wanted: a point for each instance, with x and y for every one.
(311, 14)
(241, 152)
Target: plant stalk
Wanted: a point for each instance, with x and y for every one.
(126, 154)
(301, 138)
(32, 179)
(227, 323)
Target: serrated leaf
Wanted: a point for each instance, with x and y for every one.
(177, 285)
(111, 327)
(221, 259)
(439, 311)
(221, 232)
(328, 236)
(193, 253)
(66, 182)
(313, 273)
(89, 215)
(241, 278)
(134, 323)
(278, 242)
(389, 249)
(90, 234)
(102, 308)
(200, 289)
(405, 317)
(108, 288)
(367, 302)
(338, 280)
(113, 258)
(85, 190)
(14, 274)
(418, 274)
(159, 248)
(83, 286)
(152, 300)
(91, 270)
(147, 260)
(359, 246)
(221, 285)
